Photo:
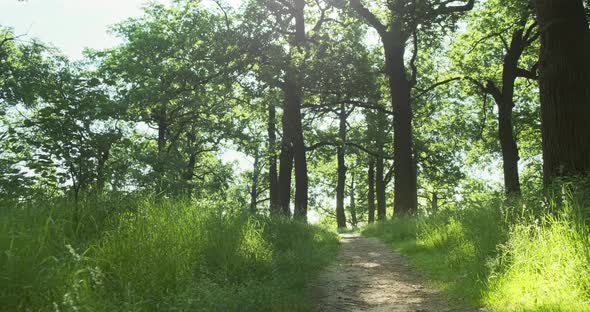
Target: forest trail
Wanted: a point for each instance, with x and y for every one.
(368, 276)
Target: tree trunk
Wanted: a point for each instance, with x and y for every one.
(504, 99)
(273, 180)
(340, 187)
(192, 161)
(162, 137)
(509, 148)
(301, 178)
(254, 188)
(293, 151)
(505, 102)
(434, 202)
(405, 180)
(371, 191)
(101, 167)
(286, 169)
(159, 166)
(294, 134)
(380, 189)
(564, 83)
(162, 130)
(294, 88)
(353, 218)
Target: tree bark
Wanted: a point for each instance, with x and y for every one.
(504, 99)
(103, 158)
(162, 120)
(301, 178)
(353, 218)
(294, 94)
(564, 83)
(273, 180)
(405, 180)
(371, 191)
(294, 135)
(162, 136)
(286, 167)
(254, 188)
(509, 148)
(434, 202)
(340, 187)
(380, 189)
(510, 69)
(192, 161)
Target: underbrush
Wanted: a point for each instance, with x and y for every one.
(155, 256)
(507, 256)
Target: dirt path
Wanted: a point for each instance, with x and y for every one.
(368, 276)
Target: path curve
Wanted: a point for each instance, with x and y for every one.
(368, 276)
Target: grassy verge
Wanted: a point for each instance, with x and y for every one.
(147, 256)
(488, 255)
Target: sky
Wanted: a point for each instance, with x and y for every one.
(70, 25)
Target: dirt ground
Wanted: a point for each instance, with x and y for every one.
(369, 276)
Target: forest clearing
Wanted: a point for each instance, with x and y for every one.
(295, 155)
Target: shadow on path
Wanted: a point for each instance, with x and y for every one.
(368, 276)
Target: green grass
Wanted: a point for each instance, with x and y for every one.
(147, 256)
(504, 257)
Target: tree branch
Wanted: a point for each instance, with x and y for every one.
(413, 60)
(352, 144)
(368, 151)
(505, 43)
(369, 17)
(8, 38)
(482, 40)
(528, 74)
(389, 174)
(326, 106)
(531, 35)
(436, 85)
(322, 18)
(227, 23)
(443, 10)
(287, 4)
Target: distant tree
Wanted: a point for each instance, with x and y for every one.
(515, 58)
(350, 87)
(405, 21)
(177, 70)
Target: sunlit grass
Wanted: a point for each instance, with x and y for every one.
(156, 256)
(491, 256)
(544, 267)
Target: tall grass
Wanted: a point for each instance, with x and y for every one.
(156, 256)
(507, 256)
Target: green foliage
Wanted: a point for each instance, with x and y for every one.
(504, 256)
(176, 73)
(139, 255)
(478, 54)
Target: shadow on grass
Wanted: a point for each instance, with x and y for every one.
(452, 250)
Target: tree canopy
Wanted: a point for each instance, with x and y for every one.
(367, 105)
